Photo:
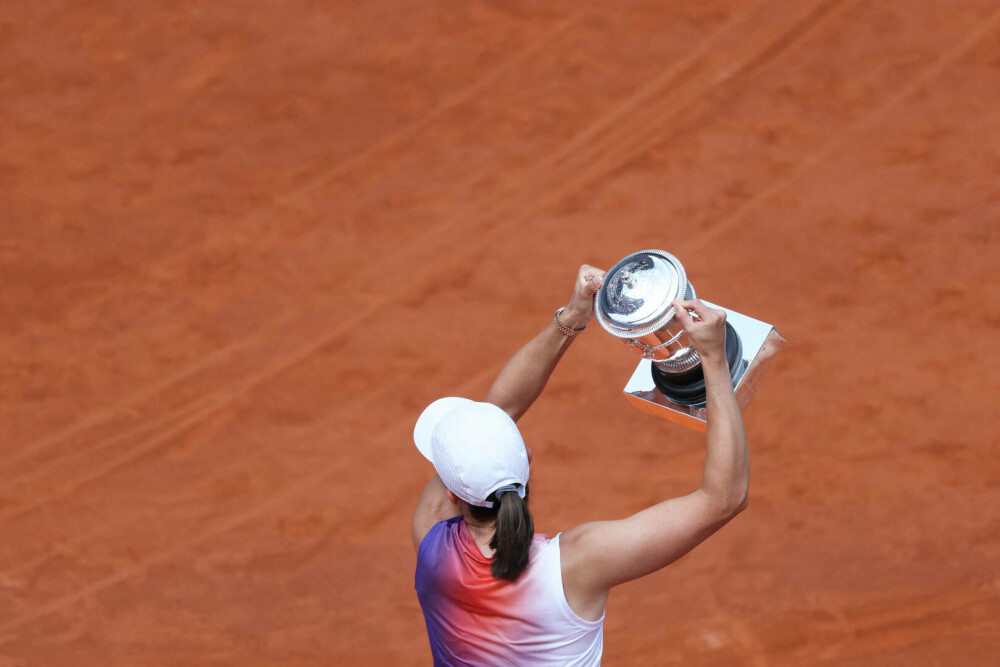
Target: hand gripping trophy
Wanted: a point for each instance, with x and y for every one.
(634, 304)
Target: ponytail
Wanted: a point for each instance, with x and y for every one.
(512, 537)
(514, 529)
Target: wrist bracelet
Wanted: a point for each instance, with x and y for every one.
(569, 332)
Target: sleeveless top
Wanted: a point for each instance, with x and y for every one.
(474, 619)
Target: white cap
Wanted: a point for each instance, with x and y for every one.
(475, 448)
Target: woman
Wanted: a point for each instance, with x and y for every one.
(492, 592)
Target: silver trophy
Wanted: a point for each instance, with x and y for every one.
(634, 304)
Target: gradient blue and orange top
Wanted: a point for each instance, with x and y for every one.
(474, 619)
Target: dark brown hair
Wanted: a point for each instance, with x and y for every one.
(512, 533)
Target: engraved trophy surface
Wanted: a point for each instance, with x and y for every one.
(635, 305)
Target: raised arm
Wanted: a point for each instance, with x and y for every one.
(597, 556)
(517, 386)
(524, 377)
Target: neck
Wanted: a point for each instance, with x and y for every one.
(482, 533)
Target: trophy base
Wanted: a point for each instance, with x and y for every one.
(760, 343)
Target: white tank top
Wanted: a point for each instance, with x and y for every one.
(474, 619)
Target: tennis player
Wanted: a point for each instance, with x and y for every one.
(493, 592)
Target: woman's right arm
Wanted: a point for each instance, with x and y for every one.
(598, 556)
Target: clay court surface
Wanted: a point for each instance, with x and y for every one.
(243, 245)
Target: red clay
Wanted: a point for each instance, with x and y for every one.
(243, 246)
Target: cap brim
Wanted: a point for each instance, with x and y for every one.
(430, 417)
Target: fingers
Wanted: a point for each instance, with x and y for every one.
(706, 327)
(681, 308)
(703, 312)
(580, 309)
(591, 279)
(589, 273)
